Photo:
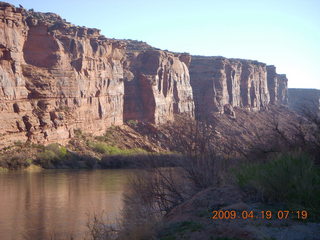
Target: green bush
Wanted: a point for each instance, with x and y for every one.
(104, 148)
(60, 151)
(132, 123)
(2, 169)
(133, 151)
(46, 158)
(289, 178)
(101, 147)
(29, 161)
(52, 155)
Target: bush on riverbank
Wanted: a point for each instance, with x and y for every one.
(288, 180)
(18, 156)
(104, 148)
(57, 156)
(3, 169)
(52, 156)
(291, 178)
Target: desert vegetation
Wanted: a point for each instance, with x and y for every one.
(279, 170)
(86, 152)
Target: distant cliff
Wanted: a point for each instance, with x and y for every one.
(56, 77)
(219, 84)
(304, 100)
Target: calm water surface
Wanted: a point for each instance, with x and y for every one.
(39, 205)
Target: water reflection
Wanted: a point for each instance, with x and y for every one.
(39, 205)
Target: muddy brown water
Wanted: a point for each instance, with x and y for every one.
(53, 204)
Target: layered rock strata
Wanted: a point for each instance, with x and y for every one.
(158, 87)
(277, 85)
(219, 84)
(56, 77)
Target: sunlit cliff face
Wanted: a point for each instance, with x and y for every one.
(56, 77)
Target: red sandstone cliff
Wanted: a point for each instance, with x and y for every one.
(56, 77)
(219, 84)
(159, 86)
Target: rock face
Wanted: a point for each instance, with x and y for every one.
(158, 87)
(56, 77)
(219, 83)
(304, 100)
(278, 86)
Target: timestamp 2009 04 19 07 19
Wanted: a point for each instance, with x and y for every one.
(280, 214)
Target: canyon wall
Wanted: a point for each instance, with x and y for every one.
(158, 88)
(56, 77)
(304, 101)
(277, 85)
(219, 84)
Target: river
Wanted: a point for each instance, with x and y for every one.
(57, 203)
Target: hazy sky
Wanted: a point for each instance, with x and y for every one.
(285, 33)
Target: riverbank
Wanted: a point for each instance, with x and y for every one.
(119, 147)
(226, 213)
(122, 146)
(273, 200)
(54, 156)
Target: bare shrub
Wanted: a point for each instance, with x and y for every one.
(140, 215)
(99, 229)
(154, 191)
(158, 189)
(279, 136)
(150, 194)
(313, 130)
(196, 140)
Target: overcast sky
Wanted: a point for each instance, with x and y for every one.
(284, 33)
